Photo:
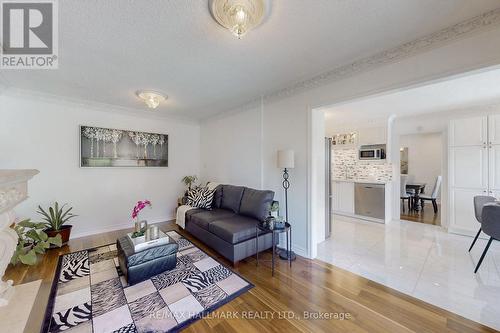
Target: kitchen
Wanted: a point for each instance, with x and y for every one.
(441, 141)
(358, 174)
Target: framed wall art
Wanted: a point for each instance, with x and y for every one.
(108, 147)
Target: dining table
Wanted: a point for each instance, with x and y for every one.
(416, 189)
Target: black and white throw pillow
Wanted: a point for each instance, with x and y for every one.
(200, 197)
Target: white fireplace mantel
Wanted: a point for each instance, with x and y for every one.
(13, 190)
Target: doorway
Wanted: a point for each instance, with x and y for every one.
(421, 169)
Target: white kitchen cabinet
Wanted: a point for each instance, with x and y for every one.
(462, 212)
(494, 168)
(474, 168)
(347, 198)
(343, 197)
(470, 167)
(494, 130)
(372, 135)
(469, 131)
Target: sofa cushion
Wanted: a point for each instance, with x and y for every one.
(205, 217)
(256, 203)
(217, 197)
(235, 229)
(193, 211)
(201, 197)
(231, 197)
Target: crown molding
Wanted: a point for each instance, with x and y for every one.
(251, 105)
(93, 105)
(437, 39)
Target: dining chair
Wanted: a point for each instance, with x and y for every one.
(433, 196)
(404, 194)
(490, 217)
(479, 202)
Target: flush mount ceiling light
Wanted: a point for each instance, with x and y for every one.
(151, 98)
(239, 16)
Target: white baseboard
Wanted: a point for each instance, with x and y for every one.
(114, 227)
(358, 217)
(297, 249)
(300, 251)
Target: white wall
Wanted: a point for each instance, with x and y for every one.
(44, 135)
(231, 149)
(287, 120)
(425, 154)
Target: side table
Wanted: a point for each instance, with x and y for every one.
(287, 230)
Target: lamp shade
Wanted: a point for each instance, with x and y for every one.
(286, 159)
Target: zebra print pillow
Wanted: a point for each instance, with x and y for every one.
(200, 197)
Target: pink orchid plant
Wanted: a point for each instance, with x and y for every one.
(140, 206)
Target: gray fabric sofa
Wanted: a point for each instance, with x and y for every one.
(229, 228)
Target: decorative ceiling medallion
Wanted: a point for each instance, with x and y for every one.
(238, 16)
(151, 98)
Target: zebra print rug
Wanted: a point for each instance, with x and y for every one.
(91, 295)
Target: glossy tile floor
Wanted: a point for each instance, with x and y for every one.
(423, 261)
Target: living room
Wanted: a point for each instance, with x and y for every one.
(138, 97)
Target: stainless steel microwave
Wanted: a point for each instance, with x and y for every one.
(372, 152)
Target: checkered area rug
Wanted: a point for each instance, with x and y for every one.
(91, 295)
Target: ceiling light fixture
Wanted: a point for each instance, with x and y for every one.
(151, 98)
(239, 16)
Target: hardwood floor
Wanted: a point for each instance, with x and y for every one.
(426, 216)
(278, 304)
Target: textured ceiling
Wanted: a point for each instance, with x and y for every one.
(109, 49)
(457, 93)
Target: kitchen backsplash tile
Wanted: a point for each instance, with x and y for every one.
(346, 165)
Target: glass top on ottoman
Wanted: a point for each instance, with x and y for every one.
(144, 242)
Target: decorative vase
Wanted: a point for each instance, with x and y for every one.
(141, 226)
(152, 233)
(270, 224)
(279, 223)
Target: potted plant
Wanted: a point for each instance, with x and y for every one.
(275, 208)
(32, 241)
(55, 220)
(188, 181)
(140, 226)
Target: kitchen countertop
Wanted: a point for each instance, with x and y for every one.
(360, 181)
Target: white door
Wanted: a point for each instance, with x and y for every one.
(494, 129)
(469, 132)
(462, 218)
(468, 167)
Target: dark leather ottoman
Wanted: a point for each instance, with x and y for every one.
(140, 266)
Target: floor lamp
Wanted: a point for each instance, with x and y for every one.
(286, 160)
